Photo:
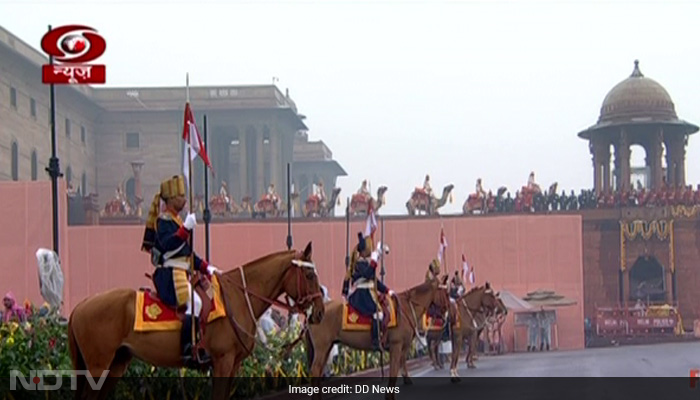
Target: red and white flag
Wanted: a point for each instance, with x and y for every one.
(371, 225)
(443, 245)
(465, 269)
(193, 143)
(472, 278)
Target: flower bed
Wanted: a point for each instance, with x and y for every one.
(41, 344)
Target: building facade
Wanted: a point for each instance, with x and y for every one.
(131, 138)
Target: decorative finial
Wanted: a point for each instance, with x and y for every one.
(636, 73)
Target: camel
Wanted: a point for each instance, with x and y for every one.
(359, 203)
(314, 207)
(420, 201)
(265, 207)
(474, 205)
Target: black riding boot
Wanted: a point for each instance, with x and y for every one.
(375, 334)
(188, 358)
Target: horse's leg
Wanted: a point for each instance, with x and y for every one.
(457, 341)
(221, 381)
(321, 352)
(394, 364)
(472, 349)
(119, 365)
(404, 350)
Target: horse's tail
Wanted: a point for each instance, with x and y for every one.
(75, 354)
(309, 349)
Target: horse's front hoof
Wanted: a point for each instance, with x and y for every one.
(407, 380)
(471, 366)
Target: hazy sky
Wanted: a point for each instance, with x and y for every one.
(459, 90)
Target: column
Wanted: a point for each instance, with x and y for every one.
(243, 165)
(601, 162)
(260, 164)
(656, 164)
(622, 161)
(275, 175)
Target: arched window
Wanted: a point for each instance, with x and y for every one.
(83, 185)
(34, 166)
(15, 161)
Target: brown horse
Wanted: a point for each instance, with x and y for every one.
(101, 334)
(482, 319)
(479, 299)
(411, 305)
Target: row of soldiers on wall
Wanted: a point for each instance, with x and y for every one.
(541, 201)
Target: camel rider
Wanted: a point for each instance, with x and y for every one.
(223, 192)
(167, 239)
(531, 181)
(272, 194)
(480, 192)
(363, 189)
(363, 290)
(321, 193)
(426, 186)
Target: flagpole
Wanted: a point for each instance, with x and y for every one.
(289, 208)
(188, 149)
(383, 272)
(207, 214)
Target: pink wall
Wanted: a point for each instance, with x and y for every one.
(518, 253)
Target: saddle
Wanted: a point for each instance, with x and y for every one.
(152, 314)
(354, 321)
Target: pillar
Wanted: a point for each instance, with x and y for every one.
(260, 164)
(275, 171)
(243, 164)
(601, 164)
(622, 161)
(653, 161)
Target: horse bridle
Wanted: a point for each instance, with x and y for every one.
(300, 305)
(414, 325)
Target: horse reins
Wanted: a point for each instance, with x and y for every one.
(297, 308)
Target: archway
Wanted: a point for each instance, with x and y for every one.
(647, 280)
(130, 190)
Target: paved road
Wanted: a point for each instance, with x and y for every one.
(657, 360)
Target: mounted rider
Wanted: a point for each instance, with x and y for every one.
(320, 193)
(433, 275)
(426, 186)
(223, 192)
(361, 287)
(363, 190)
(272, 195)
(167, 239)
(480, 192)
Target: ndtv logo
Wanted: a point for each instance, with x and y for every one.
(36, 379)
(694, 377)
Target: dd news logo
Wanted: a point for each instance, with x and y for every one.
(72, 46)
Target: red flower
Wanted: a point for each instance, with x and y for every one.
(52, 343)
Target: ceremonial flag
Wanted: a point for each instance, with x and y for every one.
(193, 143)
(465, 269)
(371, 225)
(472, 278)
(443, 245)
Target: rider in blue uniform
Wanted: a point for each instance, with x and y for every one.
(362, 291)
(167, 239)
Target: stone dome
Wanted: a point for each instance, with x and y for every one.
(637, 98)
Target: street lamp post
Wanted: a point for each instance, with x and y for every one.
(54, 169)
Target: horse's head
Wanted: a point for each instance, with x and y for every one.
(489, 302)
(305, 289)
